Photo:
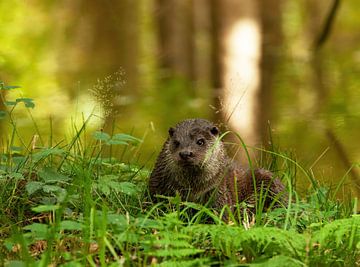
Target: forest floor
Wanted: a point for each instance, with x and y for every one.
(66, 205)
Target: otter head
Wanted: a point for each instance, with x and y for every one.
(191, 143)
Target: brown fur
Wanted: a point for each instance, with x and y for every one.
(193, 163)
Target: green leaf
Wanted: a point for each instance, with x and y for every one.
(16, 148)
(52, 176)
(10, 87)
(125, 138)
(71, 263)
(177, 252)
(71, 225)
(117, 219)
(2, 114)
(116, 142)
(103, 188)
(16, 264)
(38, 230)
(52, 188)
(47, 152)
(128, 188)
(45, 208)
(280, 260)
(101, 136)
(27, 101)
(16, 175)
(37, 227)
(10, 103)
(32, 187)
(9, 244)
(186, 263)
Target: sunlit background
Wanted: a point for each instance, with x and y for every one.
(147, 64)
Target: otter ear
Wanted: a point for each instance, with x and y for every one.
(171, 131)
(214, 130)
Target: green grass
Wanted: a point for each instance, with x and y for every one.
(68, 204)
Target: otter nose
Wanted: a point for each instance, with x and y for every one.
(185, 154)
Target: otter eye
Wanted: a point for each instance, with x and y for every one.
(176, 143)
(200, 142)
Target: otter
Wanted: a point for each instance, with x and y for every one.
(194, 164)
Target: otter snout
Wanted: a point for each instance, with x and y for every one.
(186, 155)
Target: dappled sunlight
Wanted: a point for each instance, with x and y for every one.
(241, 82)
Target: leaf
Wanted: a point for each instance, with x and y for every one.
(103, 188)
(10, 87)
(52, 188)
(16, 175)
(10, 103)
(16, 148)
(47, 152)
(128, 188)
(16, 264)
(176, 252)
(186, 263)
(280, 260)
(38, 230)
(45, 208)
(125, 138)
(108, 182)
(101, 136)
(27, 101)
(72, 263)
(2, 114)
(19, 159)
(32, 187)
(116, 142)
(37, 227)
(50, 175)
(71, 225)
(117, 219)
(268, 241)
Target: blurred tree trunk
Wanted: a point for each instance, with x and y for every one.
(272, 39)
(236, 56)
(316, 12)
(106, 43)
(216, 56)
(245, 37)
(176, 45)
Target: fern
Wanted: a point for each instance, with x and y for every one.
(337, 243)
(269, 242)
(279, 260)
(256, 242)
(186, 263)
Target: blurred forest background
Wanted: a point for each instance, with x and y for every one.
(293, 66)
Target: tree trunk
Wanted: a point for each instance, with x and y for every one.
(272, 39)
(105, 40)
(176, 35)
(236, 59)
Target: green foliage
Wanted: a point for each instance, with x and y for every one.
(73, 204)
(28, 102)
(116, 139)
(337, 243)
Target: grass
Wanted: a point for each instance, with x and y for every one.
(69, 205)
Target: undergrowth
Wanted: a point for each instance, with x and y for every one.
(75, 204)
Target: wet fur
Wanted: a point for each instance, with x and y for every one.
(210, 175)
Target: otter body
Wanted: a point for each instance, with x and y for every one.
(193, 163)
